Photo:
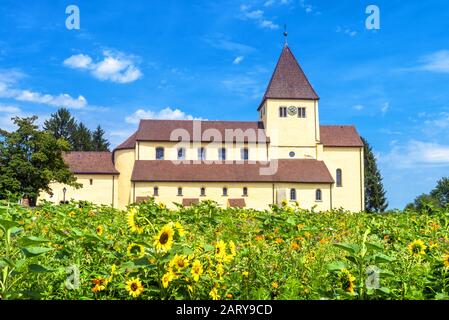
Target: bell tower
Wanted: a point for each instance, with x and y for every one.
(289, 111)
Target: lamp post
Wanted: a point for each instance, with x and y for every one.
(64, 190)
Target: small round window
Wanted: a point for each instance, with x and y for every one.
(292, 154)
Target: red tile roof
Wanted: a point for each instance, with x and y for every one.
(90, 162)
(289, 81)
(190, 202)
(340, 136)
(236, 203)
(295, 170)
(162, 130)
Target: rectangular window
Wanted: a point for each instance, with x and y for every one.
(245, 191)
(203, 192)
(225, 192)
(179, 192)
(301, 112)
(202, 154)
(91, 181)
(159, 153)
(181, 154)
(155, 191)
(222, 154)
(245, 154)
(283, 112)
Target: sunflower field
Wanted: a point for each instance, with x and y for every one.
(79, 251)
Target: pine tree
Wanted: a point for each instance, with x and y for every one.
(61, 125)
(99, 142)
(375, 195)
(82, 138)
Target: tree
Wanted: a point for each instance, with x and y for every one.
(441, 192)
(375, 195)
(82, 138)
(99, 143)
(61, 125)
(31, 159)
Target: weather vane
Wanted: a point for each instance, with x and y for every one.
(285, 34)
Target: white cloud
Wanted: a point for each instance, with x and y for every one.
(385, 107)
(442, 121)
(307, 7)
(115, 66)
(417, 154)
(436, 62)
(79, 61)
(349, 32)
(9, 79)
(258, 16)
(164, 114)
(238, 60)
(9, 109)
(220, 41)
(359, 107)
(244, 85)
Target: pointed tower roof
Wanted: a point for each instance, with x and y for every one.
(288, 80)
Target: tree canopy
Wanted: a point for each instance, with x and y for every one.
(30, 159)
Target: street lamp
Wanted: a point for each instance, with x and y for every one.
(64, 190)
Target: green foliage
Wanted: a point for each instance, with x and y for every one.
(281, 253)
(63, 125)
(375, 195)
(30, 159)
(99, 142)
(438, 198)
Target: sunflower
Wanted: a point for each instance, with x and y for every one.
(446, 260)
(180, 229)
(164, 240)
(100, 284)
(275, 285)
(179, 262)
(167, 278)
(294, 245)
(220, 270)
(417, 248)
(232, 249)
(135, 250)
(197, 270)
(131, 215)
(162, 206)
(284, 203)
(347, 281)
(245, 273)
(113, 272)
(220, 250)
(134, 287)
(99, 230)
(214, 294)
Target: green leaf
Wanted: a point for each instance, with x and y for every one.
(442, 296)
(28, 241)
(352, 259)
(208, 247)
(39, 269)
(35, 251)
(386, 273)
(384, 290)
(32, 294)
(349, 247)
(336, 266)
(291, 221)
(7, 224)
(374, 246)
(382, 258)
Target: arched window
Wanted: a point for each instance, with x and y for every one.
(180, 192)
(181, 154)
(318, 195)
(222, 154)
(293, 194)
(245, 191)
(225, 192)
(159, 153)
(201, 154)
(244, 154)
(156, 191)
(339, 178)
(203, 192)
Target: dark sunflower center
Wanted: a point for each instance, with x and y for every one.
(163, 238)
(217, 251)
(416, 249)
(134, 287)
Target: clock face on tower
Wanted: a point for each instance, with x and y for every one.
(292, 110)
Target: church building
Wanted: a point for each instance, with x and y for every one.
(285, 155)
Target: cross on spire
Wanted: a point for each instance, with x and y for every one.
(285, 35)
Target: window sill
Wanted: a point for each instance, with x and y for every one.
(318, 200)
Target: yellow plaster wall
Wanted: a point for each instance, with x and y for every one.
(292, 131)
(103, 190)
(124, 163)
(260, 195)
(350, 160)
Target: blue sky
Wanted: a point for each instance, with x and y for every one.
(213, 60)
